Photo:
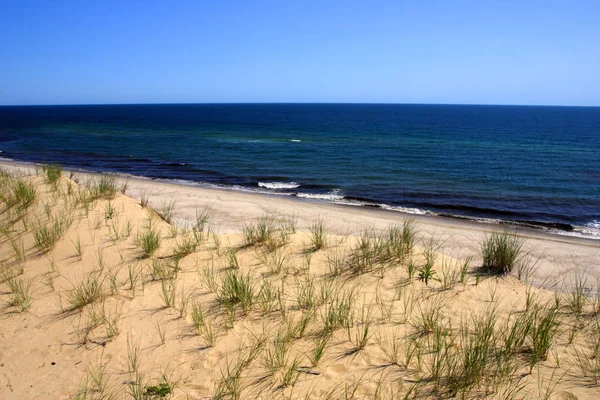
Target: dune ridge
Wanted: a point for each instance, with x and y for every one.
(136, 289)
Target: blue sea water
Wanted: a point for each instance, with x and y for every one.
(537, 165)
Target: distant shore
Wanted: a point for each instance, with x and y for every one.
(559, 255)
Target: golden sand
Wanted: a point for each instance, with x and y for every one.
(86, 313)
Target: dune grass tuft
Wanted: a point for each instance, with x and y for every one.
(236, 289)
(318, 238)
(148, 241)
(21, 194)
(88, 291)
(502, 251)
(21, 297)
(105, 187)
(46, 236)
(52, 173)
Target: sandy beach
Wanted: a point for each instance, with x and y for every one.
(96, 312)
(557, 255)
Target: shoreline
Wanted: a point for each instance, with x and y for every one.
(557, 256)
(549, 230)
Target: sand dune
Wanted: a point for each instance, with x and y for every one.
(206, 293)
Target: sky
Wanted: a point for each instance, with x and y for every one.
(539, 52)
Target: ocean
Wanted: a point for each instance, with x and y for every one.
(528, 165)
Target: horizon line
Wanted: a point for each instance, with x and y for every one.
(294, 103)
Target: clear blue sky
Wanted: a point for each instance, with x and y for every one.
(484, 52)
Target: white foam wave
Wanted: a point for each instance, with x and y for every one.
(591, 230)
(334, 195)
(595, 224)
(407, 210)
(279, 185)
(295, 140)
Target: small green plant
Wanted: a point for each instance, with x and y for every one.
(184, 300)
(87, 291)
(144, 197)
(258, 233)
(542, 332)
(53, 173)
(186, 245)
(429, 318)
(430, 254)
(464, 269)
(267, 298)
(339, 312)
(133, 354)
(18, 249)
(162, 269)
(290, 373)
(134, 275)
(450, 275)
(167, 211)
(400, 241)
(426, 273)
(167, 293)
(391, 349)
(208, 276)
(23, 194)
(275, 262)
(202, 325)
(46, 236)
(232, 259)
(318, 238)
(362, 333)
(112, 325)
(104, 187)
(502, 251)
(576, 293)
(321, 344)
(159, 391)
(202, 217)
(78, 248)
(21, 297)
(236, 289)
(109, 211)
(148, 241)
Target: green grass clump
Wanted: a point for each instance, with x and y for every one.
(167, 211)
(475, 355)
(159, 391)
(187, 245)
(21, 194)
(202, 325)
(163, 269)
(148, 241)
(377, 251)
(46, 236)
(259, 233)
(544, 328)
(20, 293)
(85, 292)
(400, 241)
(318, 238)
(236, 289)
(103, 188)
(502, 251)
(53, 173)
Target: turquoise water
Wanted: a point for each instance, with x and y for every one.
(532, 165)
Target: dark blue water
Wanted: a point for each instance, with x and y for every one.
(537, 164)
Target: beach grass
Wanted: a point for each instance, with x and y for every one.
(148, 241)
(502, 251)
(259, 312)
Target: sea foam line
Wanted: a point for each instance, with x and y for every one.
(279, 185)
